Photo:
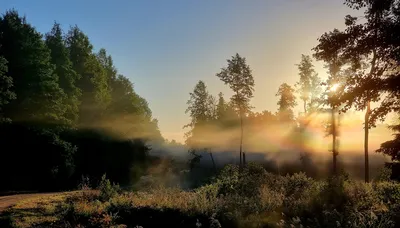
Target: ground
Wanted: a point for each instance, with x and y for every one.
(27, 210)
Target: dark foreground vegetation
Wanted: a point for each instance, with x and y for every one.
(251, 198)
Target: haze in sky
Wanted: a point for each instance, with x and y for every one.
(165, 47)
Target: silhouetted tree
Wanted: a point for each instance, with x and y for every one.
(240, 79)
(286, 103)
(364, 46)
(201, 108)
(309, 84)
(392, 147)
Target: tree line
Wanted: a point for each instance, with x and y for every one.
(65, 110)
(362, 62)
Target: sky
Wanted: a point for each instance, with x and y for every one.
(166, 47)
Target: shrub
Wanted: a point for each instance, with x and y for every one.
(385, 174)
(107, 190)
(84, 183)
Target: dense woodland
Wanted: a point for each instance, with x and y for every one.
(66, 111)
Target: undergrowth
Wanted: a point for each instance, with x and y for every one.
(250, 198)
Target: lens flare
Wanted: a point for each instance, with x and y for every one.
(334, 87)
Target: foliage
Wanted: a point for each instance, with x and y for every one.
(240, 79)
(107, 190)
(65, 113)
(392, 147)
(276, 201)
(38, 95)
(286, 103)
(63, 69)
(6, 83)
(309, 84)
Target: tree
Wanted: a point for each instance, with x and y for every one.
(239, 77)
(286, 103)
(108, 64)
(201, 108)
(130, 113)
(328, 50)
(6, 83)
(93, 77)
(67, 76)
(309, 84)
(392, 147)
(221, 106)
(364, 46)
(39, 97)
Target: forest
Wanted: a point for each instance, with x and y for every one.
(70, 121)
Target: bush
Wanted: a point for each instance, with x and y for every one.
(107, 190)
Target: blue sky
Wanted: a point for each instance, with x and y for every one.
(166, 46)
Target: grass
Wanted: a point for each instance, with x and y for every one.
(252, 198)
(36, 211)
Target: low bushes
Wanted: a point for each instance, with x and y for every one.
(250, 198)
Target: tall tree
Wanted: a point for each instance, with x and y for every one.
(286, 103)
(239, 77)
(39, 97)
(201, 108)
(309, 84)
(363, 42)
(93, 77)
(328, 51)
(67, 76)
(6, 83)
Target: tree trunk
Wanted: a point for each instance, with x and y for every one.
(366, 134)
(368, 111)
(213, 162)
(241, 139)
(244, 158)
(305, 107)
(334, 152)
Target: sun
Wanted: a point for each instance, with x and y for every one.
(334, 87)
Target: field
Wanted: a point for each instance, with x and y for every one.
(251, 198)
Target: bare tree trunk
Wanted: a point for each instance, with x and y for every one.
(366, 135)
(305, 107)
(244, 158)
(213, 162)
(368, 111)
(241, 138)
(334, 152)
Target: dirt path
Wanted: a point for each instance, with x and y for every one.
(8, 201)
